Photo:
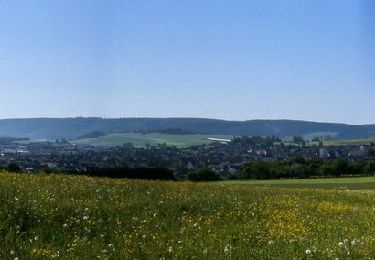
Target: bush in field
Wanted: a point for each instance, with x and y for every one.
(203, 174)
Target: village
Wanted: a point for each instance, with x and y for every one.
(221, 157)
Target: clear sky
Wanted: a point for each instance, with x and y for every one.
(309, 60)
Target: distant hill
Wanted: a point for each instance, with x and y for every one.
(72, 128)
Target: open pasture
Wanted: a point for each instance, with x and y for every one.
(77, 217)
(363, 141)
(347, 183)
(140, 140)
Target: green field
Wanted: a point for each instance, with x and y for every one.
(314, 134)
(140, 140)
(362, 141)
(351, 142)
(77, 217)
(354, 183)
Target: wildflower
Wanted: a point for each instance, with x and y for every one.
(170, 249)
(12, 252)
(227, 248)
(308, 251)
(85, 218)
(65, 225)
(270, 242)
(36, 238)
(341, 244)
(353, 242)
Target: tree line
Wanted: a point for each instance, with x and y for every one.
(301, 168)
(298, 168)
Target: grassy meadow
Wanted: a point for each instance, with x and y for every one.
(343, 183)
(78, 217)
(140, 140)
(363, 141)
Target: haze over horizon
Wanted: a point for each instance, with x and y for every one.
(238, 60)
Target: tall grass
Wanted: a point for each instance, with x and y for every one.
(76, 217)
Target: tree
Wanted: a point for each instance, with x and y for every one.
(256, 170)
(340, 167)
(203, 174)
(370, 168)
(298, 139)
(13, 167)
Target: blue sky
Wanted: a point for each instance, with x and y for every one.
(309, 60)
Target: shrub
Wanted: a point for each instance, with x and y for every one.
(203, 174)
(13, 167)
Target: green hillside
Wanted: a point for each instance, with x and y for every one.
(140, 140)
(72, 128)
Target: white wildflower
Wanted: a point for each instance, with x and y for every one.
(227, 248)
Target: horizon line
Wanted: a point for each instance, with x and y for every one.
(187, 117)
